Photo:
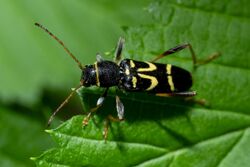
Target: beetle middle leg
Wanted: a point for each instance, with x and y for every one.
(194, 58)
(120, 117)
(99, 103)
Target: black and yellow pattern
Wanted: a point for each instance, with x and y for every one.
(131, 75)
(153, 77)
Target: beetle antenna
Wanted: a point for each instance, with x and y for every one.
(63, 104)
(61, 43)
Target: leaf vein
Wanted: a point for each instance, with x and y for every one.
(176, 151)
(115, 142)
(233, 146)
(208, 11)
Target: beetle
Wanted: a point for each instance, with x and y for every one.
(131, 76)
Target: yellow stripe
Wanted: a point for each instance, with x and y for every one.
(97, 74)
(127, 71)
(171, 83)
(169, 69)
(132, 64)
(151, 67)
(153, 80)
(134, 81)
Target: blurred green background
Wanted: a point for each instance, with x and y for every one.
(36, 73)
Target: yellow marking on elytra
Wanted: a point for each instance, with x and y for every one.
(127, 71)
(134, 81)
(151, 67)
(97, 74)
(132, 64)
(169, 69)
(171, 83)
(154, 81)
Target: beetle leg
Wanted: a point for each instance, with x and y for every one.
(182, 94)
(177, 49)
(106, 129)
(207, 60)
(119, 108)
(107, 121)
(99, 103)
(188, 96)
(183, 46)
(118, 51)
(120, 117)
(202, 102)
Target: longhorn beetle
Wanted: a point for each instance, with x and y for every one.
(132, 76)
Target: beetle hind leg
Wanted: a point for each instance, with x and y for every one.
(177, 49)
(177, 94)
(202, 102)
(196, 62)
(207, 60)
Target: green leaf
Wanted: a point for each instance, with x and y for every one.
(21, 136)
(166, 131)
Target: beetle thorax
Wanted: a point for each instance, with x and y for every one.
(102, 74)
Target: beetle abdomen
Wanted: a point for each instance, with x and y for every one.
(153, 77)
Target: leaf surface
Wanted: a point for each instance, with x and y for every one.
(171, 132)
(21, 136)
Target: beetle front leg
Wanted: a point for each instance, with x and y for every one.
(99, 103)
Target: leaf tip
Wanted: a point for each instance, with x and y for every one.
(48, 131)
(33, 158)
